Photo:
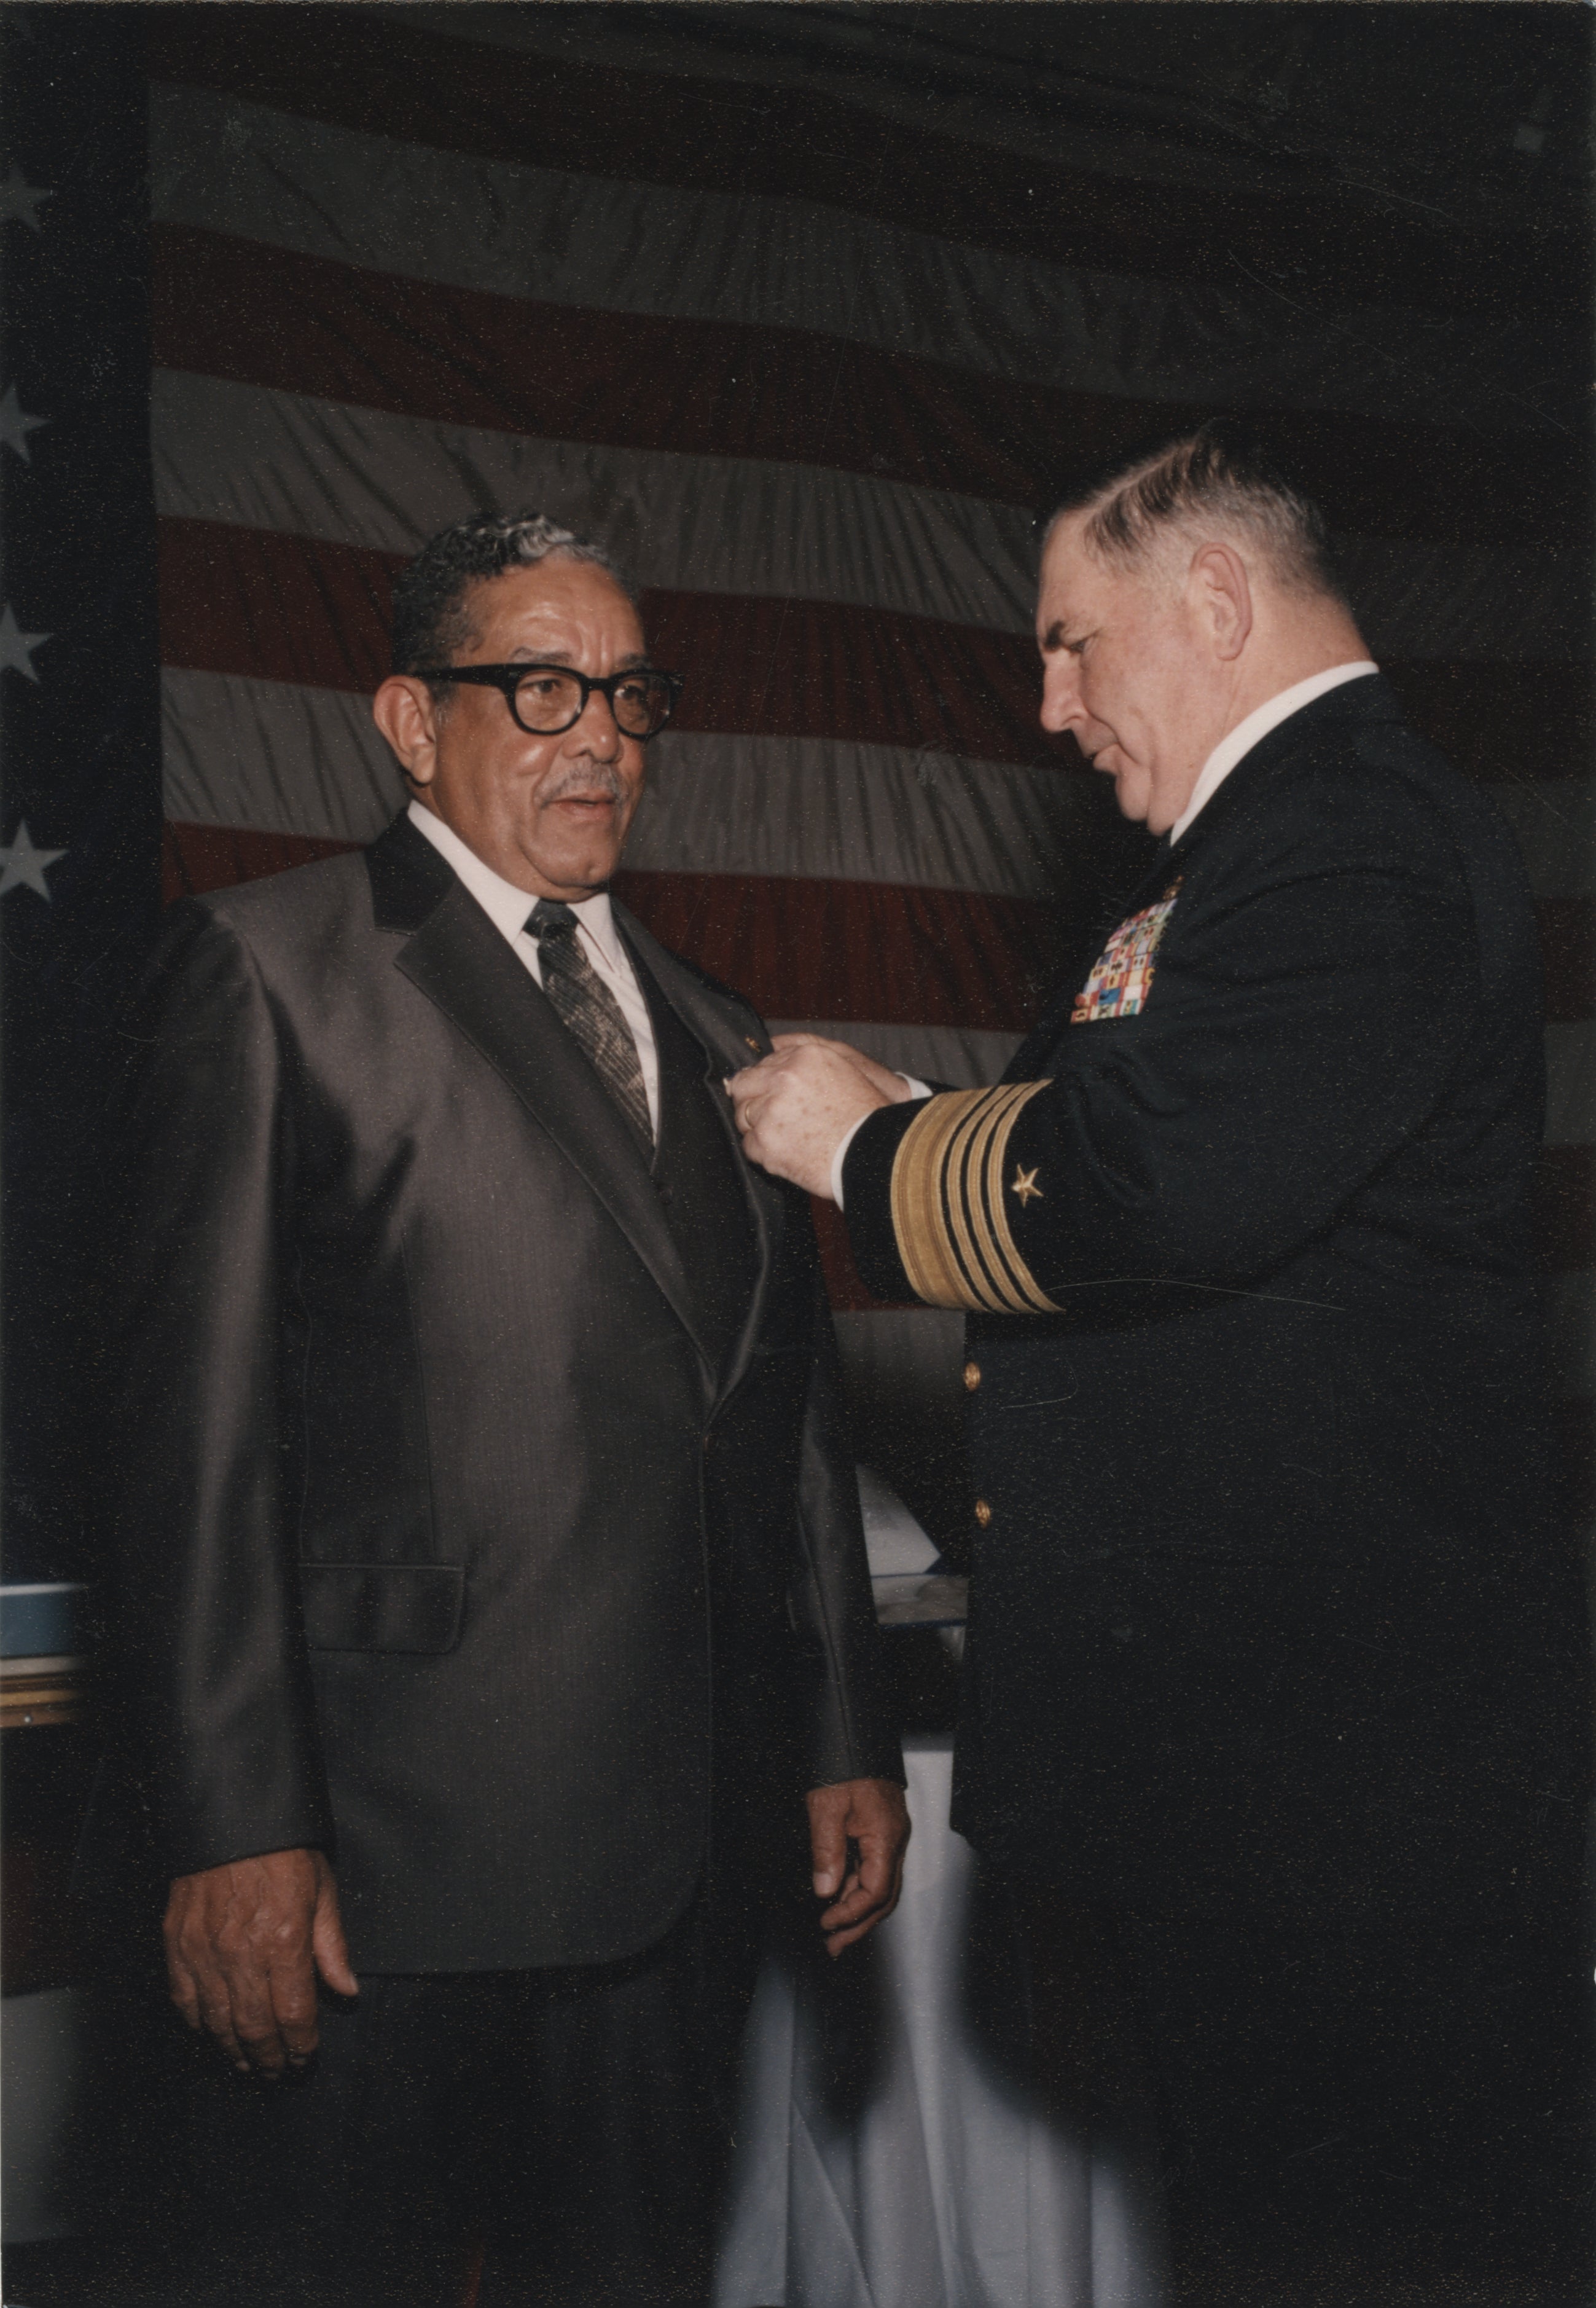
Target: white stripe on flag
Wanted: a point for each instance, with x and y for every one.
(268, 757)
(259, 459)
(837, 811)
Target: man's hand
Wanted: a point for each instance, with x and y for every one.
(796, 1108)
(872, 1815)
(244, 1943)
(893, 1088)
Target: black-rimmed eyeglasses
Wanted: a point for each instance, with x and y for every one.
(547, 699)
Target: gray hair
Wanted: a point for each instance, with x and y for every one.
(1226, 476)
(430, 617)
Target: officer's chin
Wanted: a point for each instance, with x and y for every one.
(1133, 788)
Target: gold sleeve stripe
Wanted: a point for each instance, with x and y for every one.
(965, 1193)
(948, 1213)
(923, 1243)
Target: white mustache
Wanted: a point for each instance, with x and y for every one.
(597, 782)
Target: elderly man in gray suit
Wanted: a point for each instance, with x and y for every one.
(493, 1576)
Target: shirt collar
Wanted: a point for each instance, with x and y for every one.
(1241, 741)
(505, 906)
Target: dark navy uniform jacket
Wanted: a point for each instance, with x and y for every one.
(1272, 1597)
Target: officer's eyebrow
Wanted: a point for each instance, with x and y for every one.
(1056, 639)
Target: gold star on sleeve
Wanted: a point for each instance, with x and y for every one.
(949, 1212)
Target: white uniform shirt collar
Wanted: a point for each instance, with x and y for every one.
(1245, 734)
(506, 906)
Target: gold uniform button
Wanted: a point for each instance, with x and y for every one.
(972, 1375)
(983, 1513)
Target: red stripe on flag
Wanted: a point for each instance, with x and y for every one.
(270, 316)
(277, 607)
(765, 667)
(195, 858)
(844, 950)
(303, 609)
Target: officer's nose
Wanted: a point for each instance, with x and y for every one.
(1061, 706)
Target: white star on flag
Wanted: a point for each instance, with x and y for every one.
(19, 200)
(16, 646)
(22, 866)
(15, 424)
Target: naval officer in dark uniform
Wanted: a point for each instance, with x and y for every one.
(1276, 1717)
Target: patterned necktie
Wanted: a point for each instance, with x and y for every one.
(585, 1004)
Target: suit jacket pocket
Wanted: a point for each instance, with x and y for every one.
(383, 1607)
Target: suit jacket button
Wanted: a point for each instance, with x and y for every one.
(983, 1513)
(972, 1375)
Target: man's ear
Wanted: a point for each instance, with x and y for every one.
(406, 713)
(1223, 596)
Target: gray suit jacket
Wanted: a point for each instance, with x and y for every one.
(419, 1453)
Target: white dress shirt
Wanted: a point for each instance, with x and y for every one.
(1230, 749)
(1241, 741)
(508, 908)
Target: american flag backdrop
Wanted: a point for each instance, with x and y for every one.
(806, 356)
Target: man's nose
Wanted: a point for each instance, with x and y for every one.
(1062, 706)
(595, 730)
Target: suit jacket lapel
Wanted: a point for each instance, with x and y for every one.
(456, 957)
(729, 1051)
(708, 1016)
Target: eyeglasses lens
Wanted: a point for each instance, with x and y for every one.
(551, 701)
(548, 701)
(642, 706)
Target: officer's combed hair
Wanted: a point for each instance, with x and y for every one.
(431, 615)
(1225, 477)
